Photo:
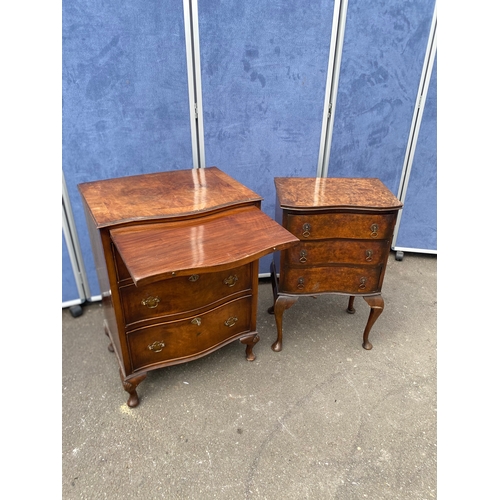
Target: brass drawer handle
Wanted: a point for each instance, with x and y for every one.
(300, 283)
(374, 230)
(156, 346)
(194, 277)
(369, 255)
(150, 302)
(306, 230)
(362, 284)
(231, 321)
(231, 280)
(303, 256)
(196, 321)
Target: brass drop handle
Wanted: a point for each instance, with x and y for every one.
(362, 284)
(306, 230)
(150, 302)
(303, 256)
(231, 280)
(156, 346)
(374, 230)
(196, 321)
(194, 277)
(231, 321)
(300, 283)
(369, 255)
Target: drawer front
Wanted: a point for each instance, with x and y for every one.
(355, 280)
(337, 252)
(190, 337)
(341, 225)
(182, 294)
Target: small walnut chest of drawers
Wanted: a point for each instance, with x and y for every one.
(177, 259)
(345, 227)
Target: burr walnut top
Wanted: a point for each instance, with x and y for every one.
(298, 193)
(163, 195)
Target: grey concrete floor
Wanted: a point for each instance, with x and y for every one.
(323, 419)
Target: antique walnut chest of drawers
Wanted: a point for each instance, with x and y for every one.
(177, 258)
(345, 227)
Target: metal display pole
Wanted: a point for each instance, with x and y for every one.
(194, 81)
(332, 83)
(75, 255)
(414, 132)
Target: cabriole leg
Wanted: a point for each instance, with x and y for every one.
(350, 308)
(274, 284)
(282, 303)
(106, 332)
(250, 342)
(376, 304)
(130, 385)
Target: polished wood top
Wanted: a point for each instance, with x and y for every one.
(157, 251)
(298, 193)
(162, 195)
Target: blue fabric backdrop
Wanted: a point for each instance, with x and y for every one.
(264, 68)
(125, 96)
(384, 50)
(418, 225)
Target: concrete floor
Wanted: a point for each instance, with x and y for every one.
(323, 419)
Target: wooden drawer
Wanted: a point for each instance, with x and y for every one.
(194, 336)
(341, 225)
(182, 294)
(351, 280)
(337, 252)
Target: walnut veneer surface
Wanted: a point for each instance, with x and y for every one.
(177, 255)
(345, 227)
